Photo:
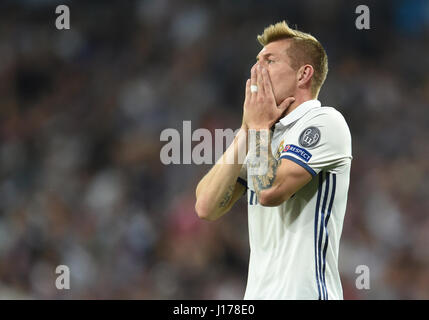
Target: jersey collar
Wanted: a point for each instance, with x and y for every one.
(298, 112)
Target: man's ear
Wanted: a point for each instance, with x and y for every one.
(305, 73)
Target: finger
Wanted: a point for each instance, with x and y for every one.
(285, 104)
(260, 81)
(253, 79)
(248, 93)
(267, 83)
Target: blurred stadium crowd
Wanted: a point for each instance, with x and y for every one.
(81, 115)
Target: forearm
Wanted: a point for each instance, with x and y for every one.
(261, 152)
(215, 190)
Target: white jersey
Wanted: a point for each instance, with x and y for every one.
(294, 246)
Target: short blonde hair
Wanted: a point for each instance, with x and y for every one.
(304, 49)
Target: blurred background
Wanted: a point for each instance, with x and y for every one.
(81, 112)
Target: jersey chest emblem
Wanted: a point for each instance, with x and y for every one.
(280, 149)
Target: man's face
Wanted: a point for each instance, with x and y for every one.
(283, 77)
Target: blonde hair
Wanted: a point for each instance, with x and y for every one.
(304, 49)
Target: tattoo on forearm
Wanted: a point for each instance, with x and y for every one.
(263, 146)
(226, 197)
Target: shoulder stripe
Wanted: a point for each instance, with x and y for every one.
(301, 163)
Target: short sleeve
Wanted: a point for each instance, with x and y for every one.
(318, 143)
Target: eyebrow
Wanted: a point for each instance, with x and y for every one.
(266, 55)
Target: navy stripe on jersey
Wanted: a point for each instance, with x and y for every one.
(322, 214)
(252, 193)
(253, 197)
(321, 231)
(316, 217)
(301, 163)
(328, 215)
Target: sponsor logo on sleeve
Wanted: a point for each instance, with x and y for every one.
(300, 152)
(310, 137)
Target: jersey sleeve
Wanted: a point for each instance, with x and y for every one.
(321, 142)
